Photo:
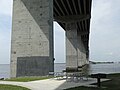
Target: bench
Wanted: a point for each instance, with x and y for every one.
(98, 76)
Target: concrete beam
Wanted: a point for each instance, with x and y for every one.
(83, 33)
(71, 18)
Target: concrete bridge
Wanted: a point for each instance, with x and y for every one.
(32, 47)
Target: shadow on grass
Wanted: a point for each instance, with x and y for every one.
(12, 87)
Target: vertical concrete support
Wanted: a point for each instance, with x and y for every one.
(71, 46)
(81, 52)
(32, 37)
(75, 50)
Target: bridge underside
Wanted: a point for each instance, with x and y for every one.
(74, 16)
(32, 50)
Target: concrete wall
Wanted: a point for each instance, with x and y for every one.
(32, 32)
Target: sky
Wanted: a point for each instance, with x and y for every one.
(104, 32)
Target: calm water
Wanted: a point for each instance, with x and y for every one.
(94, 68)
(4, 70)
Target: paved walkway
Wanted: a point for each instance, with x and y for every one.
(51, 84)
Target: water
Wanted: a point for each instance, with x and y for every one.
(4, 70)
(94, 68)
(58, 67)
(105, 68)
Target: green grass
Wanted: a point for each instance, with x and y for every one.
(12, 87)
(113, 84)
(27, 79)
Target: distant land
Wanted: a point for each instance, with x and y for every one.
(91, 62)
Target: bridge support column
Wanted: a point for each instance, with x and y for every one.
(81, 52)
(83, 56)
(32, 38)
(75, 50)
(71, 46)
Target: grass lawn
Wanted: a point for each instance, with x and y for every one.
(113, 84)
(12, 87)
(27, 79)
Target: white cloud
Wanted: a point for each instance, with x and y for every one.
(59, 43)
(4, 46)
(101, 8)
(110, 53)
(6, 7)
(5, 30)
(105, 31)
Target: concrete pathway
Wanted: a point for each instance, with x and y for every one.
(51, 84)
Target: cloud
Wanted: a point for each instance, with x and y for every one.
(6, 7)
(5, 22)
(100, 9)
(5, 30)
(105, 31)
(59, 43)
(5, 39)
(110, 53)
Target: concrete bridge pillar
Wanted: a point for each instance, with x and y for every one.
(32, 49)
(81, 51)
(75, 50)
(71, 46)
